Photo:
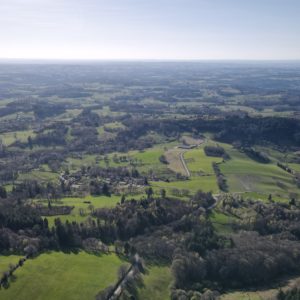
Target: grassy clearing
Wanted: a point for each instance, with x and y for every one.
(14, 116)
(264, 197)
(204, 183)
(222, 222)
(245, 175)
(200, 166)
(149, 159)
(105, 135)
(68, 115)
(295, 167)
(248, 295)
(44, 176)
(61, 276)
(157, 283)
(174, 160)
(9, 138)
(80, 205)
(267, 293)
(114, 125)
(199, 163)
(145, 161)
(8, 187)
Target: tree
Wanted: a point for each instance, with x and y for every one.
(163, 193)
(270, 198)
(292, 202)
(3, 193)
(91, 208)
(105, 190)
(149, 192)
(123, 198)
(30, 144)
(126, 248)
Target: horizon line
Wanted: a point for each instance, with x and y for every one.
(161, 60)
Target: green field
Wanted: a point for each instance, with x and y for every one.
(44, 176)
(156, 283)
(79, 204)
(246, 175)
(5, 261)
(173, 157)
(198, 162)
(11, 137)
(202, 174)
(204, 183)
(295, 167)
(61, 276)
(144, 160)
(222, 222)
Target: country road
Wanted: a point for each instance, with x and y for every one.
(184, 164)
(118, 288)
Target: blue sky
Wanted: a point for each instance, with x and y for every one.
(152, 29)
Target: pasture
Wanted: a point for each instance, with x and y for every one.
(43, 176)
(156, 283)
(9, 138)
(200, 164)
(62, 276)
(5, 261)
(246, 175)
(82, 206)
(175, 164)
(261, 293)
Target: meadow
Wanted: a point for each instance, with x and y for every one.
(82, 206)
(156, 283)
(5, 261)
(246, 175)
(9, 138)
(63, 276)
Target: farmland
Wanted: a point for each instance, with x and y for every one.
(60, 276)
(156, 283)
(176, 170)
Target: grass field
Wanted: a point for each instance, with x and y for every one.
(198, 162)
(200, 167)
(246, 175)
(174, 160)
(5, 261)
(295, 167)
(61, 276)
(204, 183)
(144, 160)
(11, 137)
(156, 283)
(149, 159)
(268, 293)
(44, 176)
(263, 197)
(222, 222)
(78, 203)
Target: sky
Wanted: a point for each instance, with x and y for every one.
(150, 29)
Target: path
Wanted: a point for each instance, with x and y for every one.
(216, 202)
(184, 164)
(118, 289)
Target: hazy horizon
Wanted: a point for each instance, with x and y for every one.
(139, 30)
